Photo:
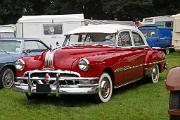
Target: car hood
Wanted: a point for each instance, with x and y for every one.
(8, 57)
(64, 57)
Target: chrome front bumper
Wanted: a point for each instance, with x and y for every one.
(85, 85)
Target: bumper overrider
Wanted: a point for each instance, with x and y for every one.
(56, 82)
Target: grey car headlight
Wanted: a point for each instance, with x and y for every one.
(83, 64)
(20, 64)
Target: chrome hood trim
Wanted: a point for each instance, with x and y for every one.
(49, 59)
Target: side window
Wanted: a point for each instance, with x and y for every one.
(124, 39)
(34, 46)
(138, 41)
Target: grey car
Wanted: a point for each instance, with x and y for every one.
(10, 50)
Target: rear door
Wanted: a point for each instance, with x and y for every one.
(131, 61)
(140, 49)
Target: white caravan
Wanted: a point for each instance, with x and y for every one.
(176, 32)
(49, 28)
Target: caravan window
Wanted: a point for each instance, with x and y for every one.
(52, 29)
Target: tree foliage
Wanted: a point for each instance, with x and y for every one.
(11, 10)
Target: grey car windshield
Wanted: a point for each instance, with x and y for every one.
(10, 46)
(84, 39)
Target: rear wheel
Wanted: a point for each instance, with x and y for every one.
(154, 77)
(105, 88)
(7, 78)
(167, 51)
(174, 103)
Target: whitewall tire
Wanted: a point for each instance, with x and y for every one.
(154, 78)
(105, 88)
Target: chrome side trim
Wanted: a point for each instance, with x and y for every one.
(127, 68)
(121, 69)
(156, 62)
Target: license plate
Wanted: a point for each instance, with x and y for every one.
(43, 88)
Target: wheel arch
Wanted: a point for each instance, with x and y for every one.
(10, 66)
(110, 72)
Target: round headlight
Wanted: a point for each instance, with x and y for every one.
(83, 64)
(19, 64)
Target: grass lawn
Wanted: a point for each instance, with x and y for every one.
(138, 101)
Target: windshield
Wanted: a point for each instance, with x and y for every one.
(7, 35)
(84, 39)
(10, 46)
(149, 33)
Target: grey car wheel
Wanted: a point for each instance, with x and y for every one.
(7, 78)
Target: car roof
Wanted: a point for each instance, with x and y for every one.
(103, 28)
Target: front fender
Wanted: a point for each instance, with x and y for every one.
(95, 68)
(173, 79)
(3, 65)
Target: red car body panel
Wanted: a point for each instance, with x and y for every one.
(126, 64)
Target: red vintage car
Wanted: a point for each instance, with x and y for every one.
(93, 60)
(173, 85)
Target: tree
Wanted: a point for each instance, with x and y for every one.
(11, 10)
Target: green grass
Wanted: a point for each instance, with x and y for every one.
(138, 101)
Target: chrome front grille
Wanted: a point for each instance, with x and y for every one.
(63, 75)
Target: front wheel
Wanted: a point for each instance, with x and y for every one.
(105, 88)
(7, 78)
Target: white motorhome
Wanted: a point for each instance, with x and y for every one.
(7, 31)
(176, 32)
(49, 28)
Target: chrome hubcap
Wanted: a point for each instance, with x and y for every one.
(105, 87)
(8, 78)
(155, 74)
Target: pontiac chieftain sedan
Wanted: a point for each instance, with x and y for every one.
(93, 60)
(10, 50)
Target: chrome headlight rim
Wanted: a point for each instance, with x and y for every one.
(20, 64)
(83, 64)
